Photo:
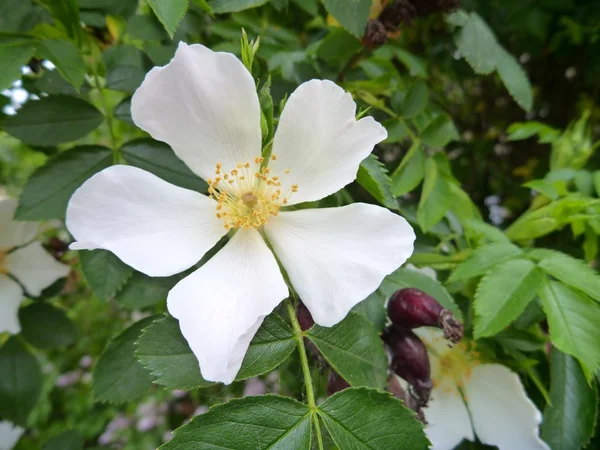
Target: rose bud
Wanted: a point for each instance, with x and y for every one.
(412, 308)
(410, 361)
(335, 383)
(375, 35)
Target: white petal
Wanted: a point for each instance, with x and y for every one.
(336, 257)
(9, 435)
(204, 105)
(35, 268)
(502, 413)
(320, 141)
(13, 233)
(153, 226)
(434, 340)
(448, 419)
(221, 305)
(11, 295)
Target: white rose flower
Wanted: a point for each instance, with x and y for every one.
(205, 106)
(9, 435)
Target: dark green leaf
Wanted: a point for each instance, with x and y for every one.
(67, 59)
(483, 259)
(145, 28)
(49, 189)
(52, 120)
(104, 271)
(227, 6)
(169, 12)
(53, 83)
(13, 57)
(439, 132)
(118, 376)
(68, 440)
(372, 175)
(158, 158)
(141, 291)
(410, 171)
(514, 78)
(20, 383)
(477, 43)
(123, 111)
(435, 200)
(373, 308)
(45, 326)
(125, 68)
(257, 423)
(354, 350)
(338, 45)
(351, 14)
(416, 99)
(368, 419)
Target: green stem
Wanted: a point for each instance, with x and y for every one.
(310, 393)
(109, 119)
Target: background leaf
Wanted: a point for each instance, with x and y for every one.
(67, 59)
(351, 14)
(372, 175)
(477, 43)
(67, 440)
(169, 12)
(104, 272)
(514, 78)
(46, 326)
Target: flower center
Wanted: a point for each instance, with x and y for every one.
(456, 366)
(247, 198)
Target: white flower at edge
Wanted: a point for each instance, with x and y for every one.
(9, 435)
(204, 105)
(30, 265)
(471, 398)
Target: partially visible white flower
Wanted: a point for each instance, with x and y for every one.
(471, 398)
(205, 106)
(9, 435)
(29, 264)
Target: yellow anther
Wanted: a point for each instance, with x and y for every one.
(286, 171)
(239, 166)
(274, 157)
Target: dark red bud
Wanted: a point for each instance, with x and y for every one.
(412, 308)
(407, 398)
(304, 317)
(396, 13)
(375, 35)
(410, 360)
(335, 383)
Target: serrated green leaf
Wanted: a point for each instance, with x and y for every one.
(227, 6)
(409, 172)
(20, 383)
(477, 43)
(416, 99)
(434, 201)
(158, 158)
(141, 291)
(46, 326)
(52, 120)
(573, 323)
(354, 350)
(125, 68)
(118, 377)
(439, 132)
(169, 12)
(104, 271)
(503, 295)
(416, 66)
(570, 421)
(483, 259)
(68, 440)
(257, 423)
(372, 175)
(13, 57)
(67, 59)
(49, 189)
(514, 78)
(351, 14)
(373, 308)
(368, 419)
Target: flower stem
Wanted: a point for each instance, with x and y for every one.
(310, 393)
(109, 119)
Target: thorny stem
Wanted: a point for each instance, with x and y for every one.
(310, 393)
(109, 119)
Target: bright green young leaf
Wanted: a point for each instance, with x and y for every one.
(351, 14)
(435, 200)
(49, 189)
(514, 78)
(46, 326)
(544, 187)
(573, 323)
(118, 376)
(483, 259)
(67, 59)
(141, 291)
(416, 99)
(266, 107)
(503, 294)
(570, 421)
(227, 6)
(354, 350)
(13, 57)
(584, 182)
(372, 175)
(439, 132)
(257, 423)
(20, 383)
(169, 12)
(524, 130)
(410, 171)
(105, 272)
(52, 120)
(477, 43)
(369, 419)
(158, 158)
(67, 440)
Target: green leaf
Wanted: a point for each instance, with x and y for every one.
(373, 308)
(354, 350)
(596, 179)
(123, 111)
(227, 6)
(125, 68)
(52, 120)
(67, 440)
(503, 295)
(104, 271)
(524, 130)
(570, 421)
(20, 383)
(145, 28)
(439, 132)
(118, 377)
(477, 43)
(141, 291)
(372, 175)
(406, 278)
(169, 12)
(339, 45)
(483, 259)
(266, 107)
(569, 270)
(416, 99)
(514, 78)
(46, 326)
(66, 57)
(257, 423)
(351, 14)
(163, 350)
(573, 323)
(158, 158)
(13, 57)
(49, 189)
(410, 171)
(416, 66)
(435, 200)
(367, 419)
